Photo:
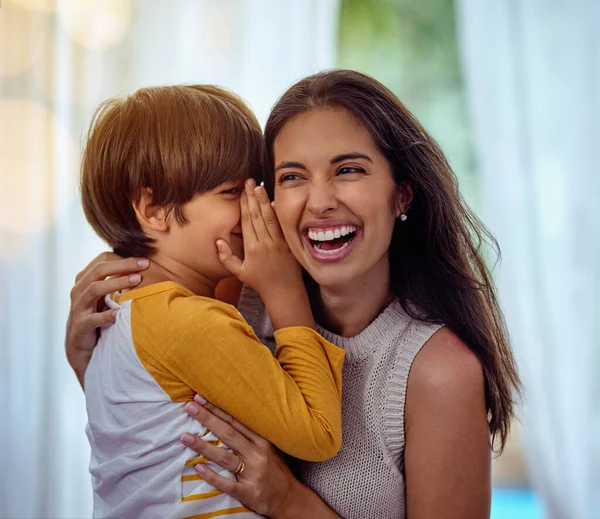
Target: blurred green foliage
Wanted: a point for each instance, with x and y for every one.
(411, 47)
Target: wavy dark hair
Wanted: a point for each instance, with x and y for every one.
(437, 266)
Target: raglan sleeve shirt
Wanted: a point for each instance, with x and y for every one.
(193, 344)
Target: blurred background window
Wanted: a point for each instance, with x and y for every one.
(412, 48)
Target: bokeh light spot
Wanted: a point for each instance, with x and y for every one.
(43, 6)
(95, 24)
(39, 163)
(20, 44)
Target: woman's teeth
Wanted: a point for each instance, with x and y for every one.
(331, 241)
(331, 234)
(318, 247)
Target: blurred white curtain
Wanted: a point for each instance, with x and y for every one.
(532, 71)
(58, 60)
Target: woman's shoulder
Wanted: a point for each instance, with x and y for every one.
(445, 361)
(409, 333)
(447, 375)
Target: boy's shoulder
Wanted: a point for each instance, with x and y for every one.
(155, 292)
(171, 307)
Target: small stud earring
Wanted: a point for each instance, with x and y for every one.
(403, 217)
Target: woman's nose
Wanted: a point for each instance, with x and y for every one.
(322, 199)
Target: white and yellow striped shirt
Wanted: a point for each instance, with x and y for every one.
(167, 345)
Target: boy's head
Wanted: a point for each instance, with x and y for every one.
(161, 159)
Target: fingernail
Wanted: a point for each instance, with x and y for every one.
(190, 408)
(114, 313)
(200, 468)
(187, 439)
(259, 190)
(220, 246)
(200, 399)
(250, 182)
(143, 263)
(135, 279)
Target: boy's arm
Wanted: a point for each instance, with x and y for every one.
(292, 399)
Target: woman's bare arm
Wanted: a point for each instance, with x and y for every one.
(447, 453)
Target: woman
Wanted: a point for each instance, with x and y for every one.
(371, 209)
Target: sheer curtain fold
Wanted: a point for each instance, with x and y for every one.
(58, 60)
(532, 74)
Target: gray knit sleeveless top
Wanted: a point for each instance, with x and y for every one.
(366, 478)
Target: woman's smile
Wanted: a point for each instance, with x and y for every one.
(330, 241)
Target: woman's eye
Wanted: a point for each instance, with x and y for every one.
(288, 177)
(232, 191)
(350, 169)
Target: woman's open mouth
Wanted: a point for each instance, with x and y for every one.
(330, 244)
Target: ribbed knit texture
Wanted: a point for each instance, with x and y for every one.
(366, 478)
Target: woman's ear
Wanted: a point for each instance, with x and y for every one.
(403, 198)
(150, 216)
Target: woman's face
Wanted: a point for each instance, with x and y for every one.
(335, 197)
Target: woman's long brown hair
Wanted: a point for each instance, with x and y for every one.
(437, 266)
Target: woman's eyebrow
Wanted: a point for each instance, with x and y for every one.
(351, 155)
(290, 164)
(334, 160)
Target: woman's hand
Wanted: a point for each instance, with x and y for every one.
(106, 274)
(266, 484)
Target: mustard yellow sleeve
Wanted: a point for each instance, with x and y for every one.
(292, 399)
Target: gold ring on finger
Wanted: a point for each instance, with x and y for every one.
(240, 468)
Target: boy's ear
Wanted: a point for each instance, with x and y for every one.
(151, 217)
(403, 198)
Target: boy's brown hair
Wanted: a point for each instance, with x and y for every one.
(178, 141)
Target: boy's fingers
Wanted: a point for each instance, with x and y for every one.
(247, 228)
(231, 262)
(269, 216)
(255, 212)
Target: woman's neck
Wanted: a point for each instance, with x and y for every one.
(347, 310)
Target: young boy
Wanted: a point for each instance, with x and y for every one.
(164, 176)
